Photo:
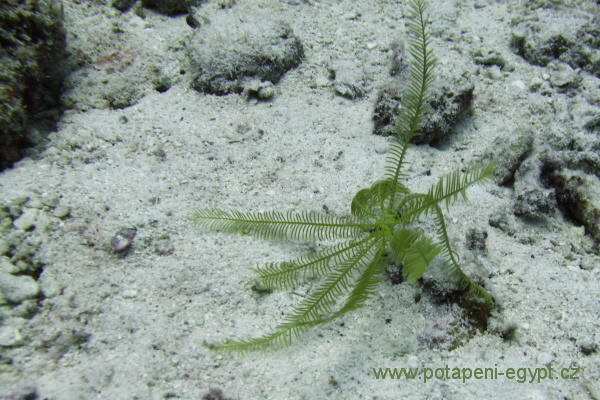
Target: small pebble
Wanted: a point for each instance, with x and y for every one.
(34, 203)
(4, 247)
(588, 263)
(519, 84)
(51, 200)
(18, 288)
(123, 239)
(129, 294)
(7, 266)
(27, 220)
(266, 92)
(10, 337)
(61, 212)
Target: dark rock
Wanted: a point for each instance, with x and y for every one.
(580, 194)
(532, 199)
(123, 5)
(489, 59)
(171, 7)
(32, 41)
(123, 239)
(574, 51)
(476, 239)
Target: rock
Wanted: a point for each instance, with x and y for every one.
(4, 247)
(349, 79)
(61, 212)
(10, 337)
(580, 193)
(510, 153)
(450, 97)
(6, 266)
(490, 58)
(122, 5)
(170, 7)
(540, 48)
(18, 288)
(234, 50)
(123, 239)
(532, 199)
(27, 220)
(565, 79)
(33, 40)
(257, 89)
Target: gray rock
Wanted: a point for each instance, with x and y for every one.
(349, 79)
(532, 200)
(233, 50)
(10, 337)
(6, 266)
(510, 153)
(4, 246)
(257, 89)
(565, 79)
(123, 239)
(27, 220)
(450, 97)
(18, 288)
(61, 212)
(490, 58)
(540, 47)
(580, 194)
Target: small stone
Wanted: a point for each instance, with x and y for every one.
(5, 225)
(535, 84)
(129, 294)
(414, 363)
(588, 263)
(18, 288)
(27, 220)
(7, 266)
(19, 201)
(123, 239)
(51, 200)
(34, 203)
(322, 81)
(4, 247)
(61, 212)
(50, 286)
(589, 347)
(519, 84)
(164, 247)
(266, 92)
(10, 337)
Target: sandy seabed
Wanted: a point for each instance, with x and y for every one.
(132, 326)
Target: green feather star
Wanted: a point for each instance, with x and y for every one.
(380, 229)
